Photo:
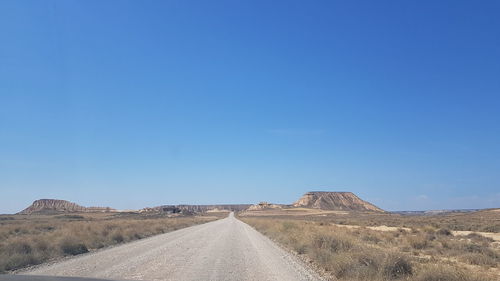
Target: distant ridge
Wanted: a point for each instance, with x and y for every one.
(325, 200)
(55, 206)
(50, 206)
(195, 208)
(342, 201)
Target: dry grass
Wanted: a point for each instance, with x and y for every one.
(31, 240)
(482, 221)
(365, 254)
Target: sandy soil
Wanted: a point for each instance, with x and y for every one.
(379, 228)
(494, 236)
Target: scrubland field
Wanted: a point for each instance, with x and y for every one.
(34, 239)
(368, 246)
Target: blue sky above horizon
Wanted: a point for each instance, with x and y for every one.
(131, 104)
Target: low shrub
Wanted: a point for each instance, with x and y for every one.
(371, 238)
(17, 260)
(424, 254)
(444, 231)
(363, 264)
(397, 266)
(446, 273)
(70, 217)
(418, 242)
(31, 240)
(479, 238)
(19, 247)
(118, 238)
(70, 247)
(331, 243)
(288, 226)
(490, 228)
(479, 259)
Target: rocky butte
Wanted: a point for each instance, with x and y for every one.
(48, 206)
(343, 201)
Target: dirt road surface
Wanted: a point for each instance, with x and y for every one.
(226, 249)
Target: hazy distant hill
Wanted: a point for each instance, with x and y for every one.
(439, 212)
(47, 206)
(345, 201)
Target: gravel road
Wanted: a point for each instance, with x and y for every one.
(226, 249)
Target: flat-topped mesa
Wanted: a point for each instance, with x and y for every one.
(47, 206)
(342, 201)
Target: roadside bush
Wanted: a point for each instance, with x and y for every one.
(118, 238)
(300, 248)
(69, 247)
(17, 260)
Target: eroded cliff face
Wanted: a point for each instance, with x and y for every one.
(264, 206)
(195, 208)
(345, 201)
(42, 206)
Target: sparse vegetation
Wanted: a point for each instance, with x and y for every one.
(31, 240)
(481, 221)
(416, 252)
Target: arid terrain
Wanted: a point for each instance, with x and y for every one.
(323, 235)
(225, 249)
(34, 239)
(384, 246)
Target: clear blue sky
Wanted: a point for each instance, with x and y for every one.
(140, 103)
